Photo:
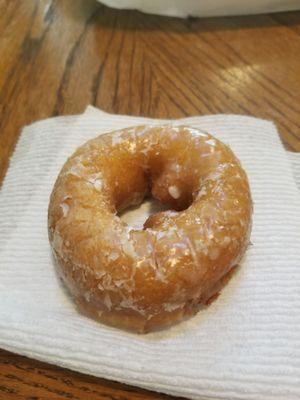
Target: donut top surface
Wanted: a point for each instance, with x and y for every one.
(177, 260)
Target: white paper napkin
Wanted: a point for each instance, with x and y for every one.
(204, 8)
(246, 345)
(295, 162)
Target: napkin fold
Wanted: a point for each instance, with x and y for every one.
(246, 345)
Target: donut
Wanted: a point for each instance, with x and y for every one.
(147, 279)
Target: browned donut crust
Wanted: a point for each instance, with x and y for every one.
(147, 279)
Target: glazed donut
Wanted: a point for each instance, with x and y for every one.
(146, 279)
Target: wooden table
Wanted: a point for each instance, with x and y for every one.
(57, 56)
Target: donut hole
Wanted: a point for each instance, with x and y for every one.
(142, 212)
(136, 216)
(151, 183)
(176, 195)
(143, 193)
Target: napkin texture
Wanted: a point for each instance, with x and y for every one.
(203, 8)
(295, 162)
(246, 345)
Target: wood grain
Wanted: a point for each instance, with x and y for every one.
(22, 378)
(57, 56)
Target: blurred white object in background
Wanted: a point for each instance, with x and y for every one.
(205, 8)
